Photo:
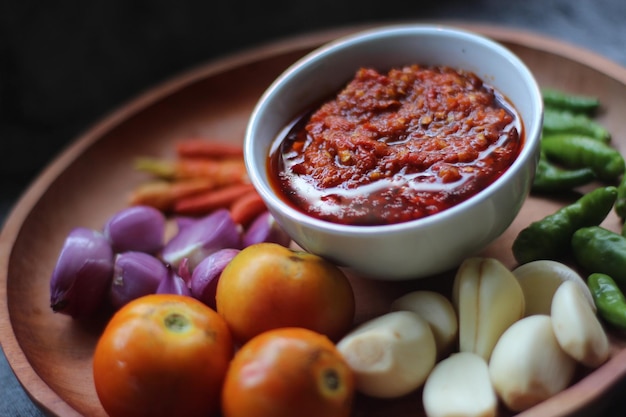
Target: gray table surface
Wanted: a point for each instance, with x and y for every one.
(30, 73)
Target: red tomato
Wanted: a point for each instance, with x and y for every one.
(162, 355)
(288, 372)
(268, 286)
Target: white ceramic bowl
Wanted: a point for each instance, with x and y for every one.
(425, 246)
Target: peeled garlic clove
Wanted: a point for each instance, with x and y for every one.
(136, 228)
(82, 275)
(488, 300)
(528, 366)
(135, 274)
(205, 276)
(577, 328)
(197, 241)
(390, 355)
(438, 312)
(460, 386)
(539, 281)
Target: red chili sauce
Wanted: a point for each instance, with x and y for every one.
(396, 147)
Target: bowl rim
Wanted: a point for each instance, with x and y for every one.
(527, 154)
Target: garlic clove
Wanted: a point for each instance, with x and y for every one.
(438, 311)
(539, 281)
(460, 386)
(577, 328)
(488, 299)
(528, 365)
(390, 355)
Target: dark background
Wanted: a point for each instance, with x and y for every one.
(65, 65)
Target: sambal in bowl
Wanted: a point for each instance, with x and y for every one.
(397, 151)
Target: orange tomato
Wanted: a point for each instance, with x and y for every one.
(288, 372)
(268, 286)
(162, 355)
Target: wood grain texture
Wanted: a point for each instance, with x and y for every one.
(51, 354)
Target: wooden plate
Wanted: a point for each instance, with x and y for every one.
(51, 354)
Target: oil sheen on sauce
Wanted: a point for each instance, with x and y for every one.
(396, 146)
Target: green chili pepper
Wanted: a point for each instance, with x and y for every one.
(579, 152)
(571, 102)
(569, 136)
(550, 177)
(620, 203)
(550, 237)
(559, 121)
(600, 250)
(609, 299)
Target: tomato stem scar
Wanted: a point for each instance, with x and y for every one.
(331, 380)
(176, 322)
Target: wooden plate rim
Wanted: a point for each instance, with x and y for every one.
(589, 388)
